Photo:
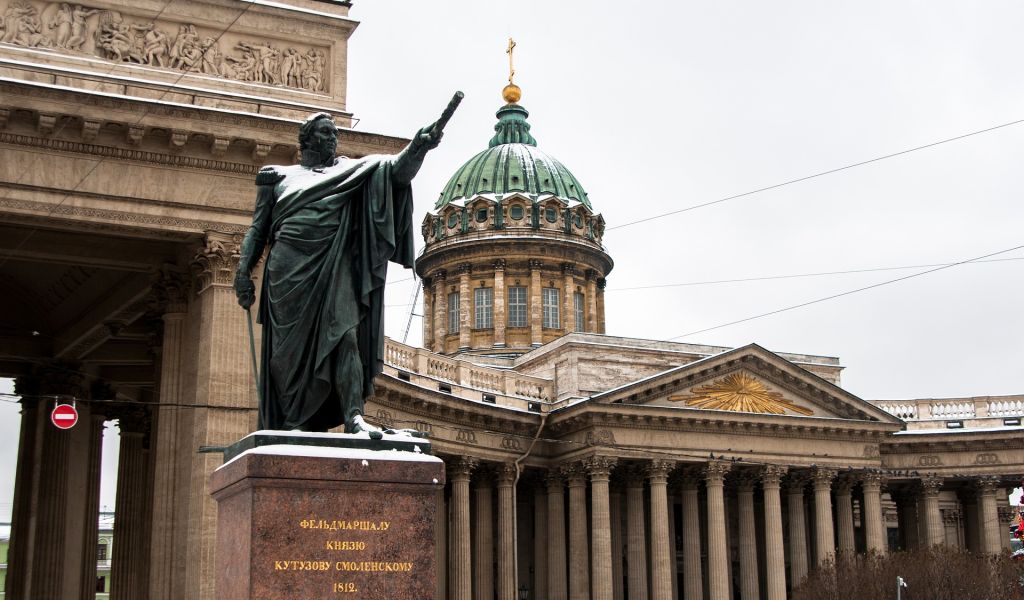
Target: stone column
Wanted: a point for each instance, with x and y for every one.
(506, 532)
(440, 310)
(465, 308)
(459, 471)
(618, 590)
(540, 542)
(718, 550)
(636, 544)
(483, 537)
(693, 576)
(92, 510)
(536, 309)
(428, 313)
(775, 567)
(750, 588)
(599, 468)
(591, 300)
(672, 539)
(441, 546)
(579, 551)
(568, 304)
(873, 518)
(223, 395)
(844, 515)
(129, 508)
(661, 563)
(797, 528)
(26, 499)
(934, 532)
(500, 318)
(824, 535)
(171, 291)
(988, 515)
(601, 283)
(557, 577)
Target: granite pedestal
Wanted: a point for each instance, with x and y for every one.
(297, 520)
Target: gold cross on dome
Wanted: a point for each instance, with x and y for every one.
(511, 70)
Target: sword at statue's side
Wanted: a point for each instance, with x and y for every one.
(252, 350)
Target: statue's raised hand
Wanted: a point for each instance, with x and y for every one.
(427, 138)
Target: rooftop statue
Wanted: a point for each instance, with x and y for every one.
(332, 225)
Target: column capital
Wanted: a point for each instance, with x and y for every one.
(985, 484)
(170, 292)
(461, 467)
(216, 261)
(601, 283)
(844, 484)
(568, 268)
(657, 470)
(554, 480)
(600, 467)
(686, 478)
(821, 477)
(634, 475)
(439, 276)
(746, 480)
(590, 274)
(715, 470)
(796, 481)
(535, 264)
(930, 485)
(574, 473)
(872, 480)
(465, 269)
(771, 475)
(499, 265)
(506, 474)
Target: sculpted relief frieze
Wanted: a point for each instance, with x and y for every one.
(110, 35)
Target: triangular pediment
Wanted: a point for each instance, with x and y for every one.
(747, 380)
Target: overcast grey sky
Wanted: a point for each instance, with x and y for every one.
(657, 106)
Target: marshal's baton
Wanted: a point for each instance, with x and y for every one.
(448, 112)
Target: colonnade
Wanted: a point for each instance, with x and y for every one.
(609, 529)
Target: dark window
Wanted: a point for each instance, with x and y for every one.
(550, 214)
(453, 219)
(481, 215)
(516, 212)
(483, 299)
(453, 312)
(101, 552)
(101, 584)
(577, 302)
(549, 301)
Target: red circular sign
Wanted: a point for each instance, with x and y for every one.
(64, 416)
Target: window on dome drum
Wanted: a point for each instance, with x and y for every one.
(516, 212)
(577, 305)
(481, 215)
(549, 301)
(517, 306)
(453, 219)
(483, 301)
(550, 214)
(453, 312)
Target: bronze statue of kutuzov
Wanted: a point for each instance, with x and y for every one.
(332, 225)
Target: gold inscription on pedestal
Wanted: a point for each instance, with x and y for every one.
(344, 545)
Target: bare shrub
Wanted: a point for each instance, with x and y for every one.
(939, 573)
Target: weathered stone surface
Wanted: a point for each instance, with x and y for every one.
(315, 522)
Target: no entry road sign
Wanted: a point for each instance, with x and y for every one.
(64, 416)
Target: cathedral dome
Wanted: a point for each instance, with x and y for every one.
(512, 164)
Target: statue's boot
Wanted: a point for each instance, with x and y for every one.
(358, 425)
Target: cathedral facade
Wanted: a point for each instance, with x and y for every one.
(579, 464)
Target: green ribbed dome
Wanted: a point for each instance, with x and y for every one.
(512, 163)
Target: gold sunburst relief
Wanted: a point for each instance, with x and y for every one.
(739, 392)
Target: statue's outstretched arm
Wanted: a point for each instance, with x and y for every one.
(409, 160)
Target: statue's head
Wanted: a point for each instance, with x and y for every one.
(318, 132)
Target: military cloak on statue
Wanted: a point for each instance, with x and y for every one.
(332, 232)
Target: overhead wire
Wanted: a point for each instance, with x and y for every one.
(815, 175)
(847, 293)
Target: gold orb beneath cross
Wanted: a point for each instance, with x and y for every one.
(511, 93)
